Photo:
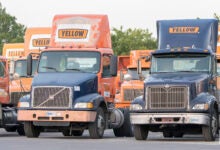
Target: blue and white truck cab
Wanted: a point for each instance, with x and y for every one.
(180, 96)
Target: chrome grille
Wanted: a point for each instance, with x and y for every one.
(15, 96)
(131, 94)
(52, 97)
(175, 97)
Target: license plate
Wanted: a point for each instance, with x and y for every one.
(51, 114)
(167, 119)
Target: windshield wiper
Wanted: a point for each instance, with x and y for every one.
(52, 68)
(74, 69)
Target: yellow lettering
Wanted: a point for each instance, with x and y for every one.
(187, 30)
(72, 33)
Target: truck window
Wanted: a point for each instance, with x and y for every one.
(181, 62)
(21, 68)
(134, 74)
(69, 61)
(2, 69)
(106, 65)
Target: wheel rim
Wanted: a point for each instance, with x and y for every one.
(101, 124)
(214, 126)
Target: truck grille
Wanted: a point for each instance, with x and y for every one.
(15, 96)
(52, 97)
(167, 97)
(131, 94)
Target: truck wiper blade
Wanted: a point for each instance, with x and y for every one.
(73, 69)
(52, 68)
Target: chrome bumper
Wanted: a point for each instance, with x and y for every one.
(170, 118)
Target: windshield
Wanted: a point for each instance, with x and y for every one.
(69, 61)
(181, 63)
(21, 67)
(134, 74)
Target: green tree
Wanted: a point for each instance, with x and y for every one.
(10, 30)
(216, 16)
(131, 39)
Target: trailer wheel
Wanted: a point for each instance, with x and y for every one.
(96, 128)
(20, 130)
(178, 134)
(77, 132)
(209, 132)
(10, 129)
(126, 129)
(167, 134)
(140, 132)
(31, 131)
(66, 133)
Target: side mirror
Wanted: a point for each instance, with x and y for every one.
(121, 76)
(29, 65)
(148, 58)
(12, 67)
(139, 67)
(114, 65)
(16, 76)
(127, 77)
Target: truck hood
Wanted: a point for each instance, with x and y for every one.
(81, 83)
(176, 78)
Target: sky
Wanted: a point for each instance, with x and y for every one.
(127, 13)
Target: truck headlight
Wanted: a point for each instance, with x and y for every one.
(201, 107)
(136, 107)
(23, 104)
(83, 105)
(3, 93)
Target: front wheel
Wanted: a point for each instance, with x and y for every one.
(209, 132)
(30, 130)
(77, 132)
(140, 132)
(96, 128)
(126, 129)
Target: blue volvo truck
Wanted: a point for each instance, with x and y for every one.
(180, 96)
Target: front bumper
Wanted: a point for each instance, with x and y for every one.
(56, 116)
(170, 118)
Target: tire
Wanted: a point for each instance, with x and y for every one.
(126, 129)
(178, 134)
(210, 132)
(20, 130)
(167, 134)
(10, 129)
(96, 128)
(30, 130)
(77, 132)
(66, 133)
(140, 132)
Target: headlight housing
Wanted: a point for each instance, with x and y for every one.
(84, 105)
(136, 107)
(23, 104)
(203, 106)
(3, 93)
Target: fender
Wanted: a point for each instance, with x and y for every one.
(139, 100)
(94, 98)
(203, 98)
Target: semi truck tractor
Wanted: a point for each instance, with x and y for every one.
(8, 108)
(131, 85)
(180, 96)
(73, 89)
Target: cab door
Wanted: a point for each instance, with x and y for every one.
(107, 80)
